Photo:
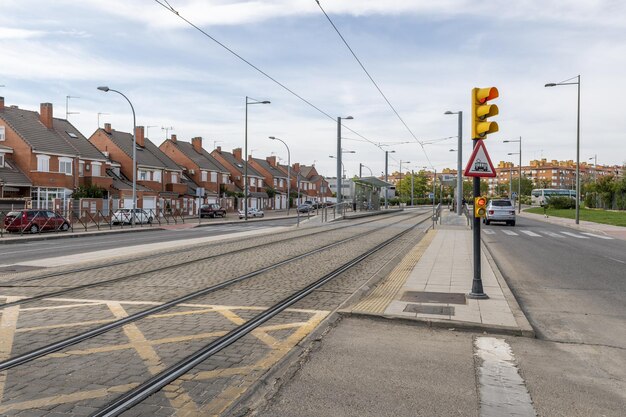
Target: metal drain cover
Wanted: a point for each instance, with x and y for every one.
(426, 309)
(433, 297)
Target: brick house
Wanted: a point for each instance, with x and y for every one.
(274, 178)
(312, 186)
(51, 153)
(200, 166)
(155, 171)
(233, 162)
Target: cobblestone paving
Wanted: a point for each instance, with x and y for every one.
(78, 380)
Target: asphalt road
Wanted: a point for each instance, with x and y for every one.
(572, 287)
(27, 251)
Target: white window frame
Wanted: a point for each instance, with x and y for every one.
(96, 170)
(2, 133)
(43, 163)
(213, 176)
(1, 160)
(174, 178)
(156, 176)
(141, 173)
(81, 168)
(63, 161)
(204, 176)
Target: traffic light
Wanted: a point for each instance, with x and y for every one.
(480, 206)
(481, 127)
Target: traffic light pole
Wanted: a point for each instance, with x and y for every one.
(477, 283)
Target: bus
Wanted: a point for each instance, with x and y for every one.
(541, 195)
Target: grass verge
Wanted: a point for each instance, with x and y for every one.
(614, 218)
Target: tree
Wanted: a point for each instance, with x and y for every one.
(89, 191)
(420, 186)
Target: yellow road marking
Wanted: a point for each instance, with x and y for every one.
(377, 301)
(8, 324)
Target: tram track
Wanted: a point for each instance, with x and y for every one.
(185, 365)
(153, 270)
(75, 339)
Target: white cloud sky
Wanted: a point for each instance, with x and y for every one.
(425, 55)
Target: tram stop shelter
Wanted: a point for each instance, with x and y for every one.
(367, 192)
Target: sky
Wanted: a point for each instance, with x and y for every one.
(425, 56)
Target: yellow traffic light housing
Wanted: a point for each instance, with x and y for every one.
(480, 206)
(481, 127)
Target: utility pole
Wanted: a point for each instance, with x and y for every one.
(412, 187)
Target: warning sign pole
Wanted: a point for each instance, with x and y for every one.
(477, 283)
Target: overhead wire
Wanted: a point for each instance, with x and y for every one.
(168, 7)
(374, 82)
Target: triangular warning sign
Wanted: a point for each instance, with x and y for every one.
(479, 164)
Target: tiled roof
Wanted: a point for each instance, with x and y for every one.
(204, 160)
(10, 174)
(272, 170)
(149, 155)
(230, 158)
(63, 138)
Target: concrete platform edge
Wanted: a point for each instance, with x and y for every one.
(520, 318)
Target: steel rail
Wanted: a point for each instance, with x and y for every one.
(72, 340)
(167, 376)
(159, 269)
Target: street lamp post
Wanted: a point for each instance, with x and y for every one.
(339, 155)
(519, 185)
(245, 157)
(106, 90)
(577, 83)
(361, 166)
(400, 180)
(387, 176)
(459, 174)
(288, 170)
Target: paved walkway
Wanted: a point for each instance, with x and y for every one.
(431, 282)
(609, 230)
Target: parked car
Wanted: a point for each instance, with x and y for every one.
(252, 212)
(125, 216)
(34, 221)
(305, 208)
(212, 210)
(500, 211)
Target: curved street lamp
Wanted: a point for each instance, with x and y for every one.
(288, 170)
(245, 157)
(339, 155)
(106, 90)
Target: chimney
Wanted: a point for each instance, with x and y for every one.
(271, 160)
(219, 149)
(1, 103)
(173, 138)
(296, 167)
(139, 137)
(237, 153)
(45, 114)
(107, 128)
(197, 144)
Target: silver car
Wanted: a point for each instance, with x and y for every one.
(500, 211)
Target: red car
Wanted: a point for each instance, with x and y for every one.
(34, 221)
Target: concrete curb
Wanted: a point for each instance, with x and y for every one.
(520, 318)
(73, 235)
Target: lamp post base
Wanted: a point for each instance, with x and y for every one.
(477, 296)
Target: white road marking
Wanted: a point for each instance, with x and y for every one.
(598, 236)
(502, 389)
(575, 235)
(489, 232)
(617, 260)
(509, 232)
(529, 233)
(552, 234)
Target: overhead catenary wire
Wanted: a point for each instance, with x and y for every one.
(167, 6)
(374, 82)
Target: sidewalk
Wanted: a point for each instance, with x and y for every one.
(607, 229)
(430, 285)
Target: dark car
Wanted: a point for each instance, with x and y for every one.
(212, 210)
(305, 208)
(34, 221)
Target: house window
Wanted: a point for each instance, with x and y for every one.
(213, 176)
(81, 168)
(43, 163)
(275, 182)
(282, 182)
(2, 136)
(1, 160)
(252, 181)
(205, 176)
(143, 175)
(95, 169)
(174, 178)
(156, 176)
(65, 166)
(225, 179)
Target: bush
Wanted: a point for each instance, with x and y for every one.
(561, 203)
